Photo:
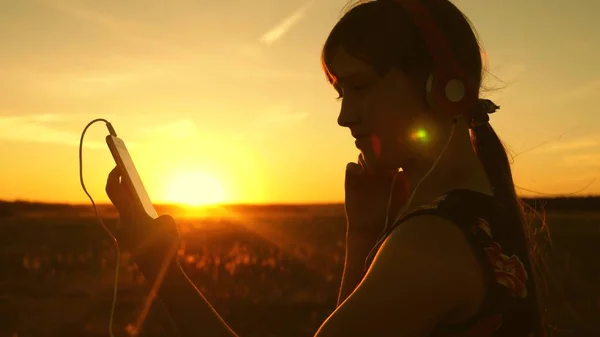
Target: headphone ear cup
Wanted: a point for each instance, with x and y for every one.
(454, 90)
(446, 93)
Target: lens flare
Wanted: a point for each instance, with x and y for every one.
(420, 135)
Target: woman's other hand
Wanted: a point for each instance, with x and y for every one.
(367, 195)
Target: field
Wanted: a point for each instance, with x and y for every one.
(269, 270)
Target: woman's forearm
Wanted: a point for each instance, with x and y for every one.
(358, 246)
(190, 312)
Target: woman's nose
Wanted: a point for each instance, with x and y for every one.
(348, 116)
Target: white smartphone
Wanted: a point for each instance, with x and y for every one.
(125, 163)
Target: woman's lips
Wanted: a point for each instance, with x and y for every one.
(371, 142)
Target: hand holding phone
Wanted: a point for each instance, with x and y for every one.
(130, 175)
(151, 241)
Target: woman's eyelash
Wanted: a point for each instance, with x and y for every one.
(356, 87)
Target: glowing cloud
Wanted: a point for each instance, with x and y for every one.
(36, 128)
(286, 24)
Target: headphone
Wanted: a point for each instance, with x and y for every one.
(447, 88)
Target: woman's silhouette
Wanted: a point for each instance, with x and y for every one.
(456, 262)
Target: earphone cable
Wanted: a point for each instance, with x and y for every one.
(401, 213)
(108, 232)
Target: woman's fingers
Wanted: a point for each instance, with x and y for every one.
(117, 191)
(363, 163)
(353, 168)
(113, 184)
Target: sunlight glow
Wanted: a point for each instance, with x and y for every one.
(195, 189)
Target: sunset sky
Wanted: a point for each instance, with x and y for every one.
(227, 97)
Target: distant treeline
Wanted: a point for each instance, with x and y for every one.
(576, 204)
(9, 208)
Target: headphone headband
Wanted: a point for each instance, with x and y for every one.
(434, 39)
(448, 86)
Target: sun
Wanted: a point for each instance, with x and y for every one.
(195, 189)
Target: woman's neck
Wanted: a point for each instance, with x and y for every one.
(458, 168)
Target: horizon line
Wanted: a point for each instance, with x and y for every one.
(302, 203)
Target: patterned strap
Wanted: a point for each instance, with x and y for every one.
(417, 212)
(508, 291)
(451, 207)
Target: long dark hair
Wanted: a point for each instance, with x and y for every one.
(384, 35)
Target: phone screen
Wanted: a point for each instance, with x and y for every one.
(123, 160)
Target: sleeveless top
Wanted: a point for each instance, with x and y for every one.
(510, 306)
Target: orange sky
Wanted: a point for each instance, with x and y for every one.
(233, 91)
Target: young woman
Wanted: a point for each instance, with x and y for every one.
(455, 261)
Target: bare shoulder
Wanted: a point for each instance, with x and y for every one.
(436, 251)
(431, 236)
(432, 255)
(425, 274)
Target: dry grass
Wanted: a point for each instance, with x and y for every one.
(270, 271)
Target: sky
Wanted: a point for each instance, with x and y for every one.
(226, 99)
